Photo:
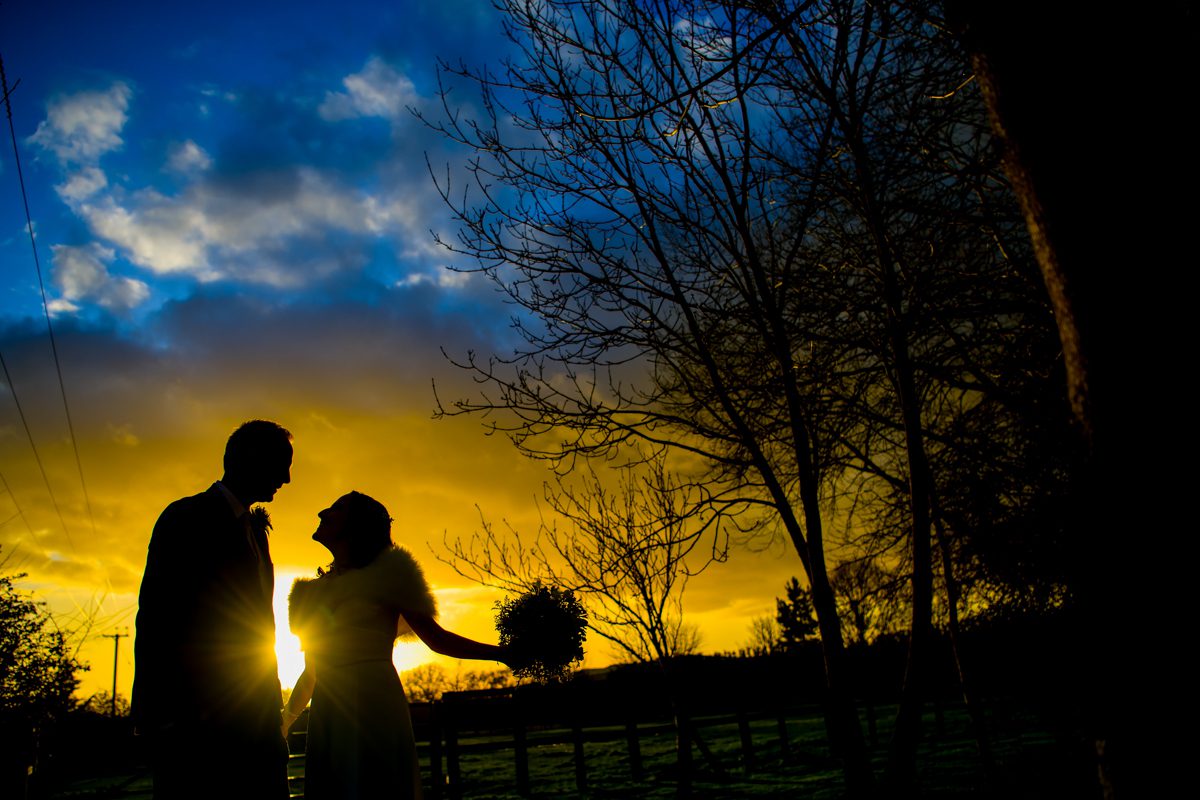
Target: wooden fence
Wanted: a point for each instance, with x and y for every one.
(505, 720)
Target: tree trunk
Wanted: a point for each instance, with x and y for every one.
(970, 699)
(902, 754)
(1095, 181)
(841, 715)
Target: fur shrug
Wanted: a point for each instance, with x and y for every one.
(394, 580)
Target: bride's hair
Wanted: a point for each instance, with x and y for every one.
(369, 527)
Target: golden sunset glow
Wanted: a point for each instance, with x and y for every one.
(686, 393)
(287, 644)
(430, 474)
(407, 654)
(201, 272)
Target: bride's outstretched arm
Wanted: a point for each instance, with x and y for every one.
(447, 643)
(301, 694)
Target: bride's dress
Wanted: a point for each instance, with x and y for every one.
(360, 736)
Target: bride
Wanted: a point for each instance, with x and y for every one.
(360, 736)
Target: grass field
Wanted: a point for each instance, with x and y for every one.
(1030, 763)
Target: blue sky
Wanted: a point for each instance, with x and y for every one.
(234, 212)
(263, 146)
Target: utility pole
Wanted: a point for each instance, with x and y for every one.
(116, 637)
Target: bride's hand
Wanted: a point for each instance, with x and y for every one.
(510, 658)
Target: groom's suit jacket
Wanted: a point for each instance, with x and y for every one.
(206, 629)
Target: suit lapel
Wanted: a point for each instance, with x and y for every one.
(239, 542)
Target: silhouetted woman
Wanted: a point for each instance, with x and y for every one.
(360, 736)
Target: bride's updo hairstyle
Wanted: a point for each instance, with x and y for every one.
(368, 529)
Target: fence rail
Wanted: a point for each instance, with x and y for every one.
(494, 721)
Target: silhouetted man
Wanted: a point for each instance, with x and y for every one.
(206, 689)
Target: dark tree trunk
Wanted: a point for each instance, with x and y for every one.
(1089, 116)
(841, 715)
(902, 754)
(970, 698)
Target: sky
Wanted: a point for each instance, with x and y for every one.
(235, 219)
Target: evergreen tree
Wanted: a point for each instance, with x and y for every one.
(796, 617)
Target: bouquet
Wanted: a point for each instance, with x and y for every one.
(543, 630)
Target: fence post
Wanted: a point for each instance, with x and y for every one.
(872, 730)
(683, 752)
(521, 757)
(743, 723)
(580, 764)
(437, 780)
(635, 749)
(453, 773)
(784, 744)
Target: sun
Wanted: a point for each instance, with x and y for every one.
(287, 644)
(406, 655)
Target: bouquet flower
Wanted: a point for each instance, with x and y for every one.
(544, 631)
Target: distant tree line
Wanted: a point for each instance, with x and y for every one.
(39, 673)
(429, 682)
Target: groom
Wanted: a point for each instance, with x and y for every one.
(206, 688)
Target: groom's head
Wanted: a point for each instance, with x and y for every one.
(258, 460)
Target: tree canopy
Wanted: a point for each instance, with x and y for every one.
(771, 242)
(38, 675)
(38, 668)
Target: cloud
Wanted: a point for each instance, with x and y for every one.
(154, 235)
(351, 378)
(377, 91)
(81, 185)
(204, 108)
(123, 435)
(80, 128)
(282, 228)
(188, 157)
(81, 274)
(284, 201)
(286, 227)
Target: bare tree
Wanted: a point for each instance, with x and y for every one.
(923, 298)
(752, 233)
(627, 551)
(865, 594)
(765, 634)
(630, 204)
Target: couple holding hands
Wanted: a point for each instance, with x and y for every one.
(206, 693)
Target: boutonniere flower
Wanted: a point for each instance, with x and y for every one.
(260, 520)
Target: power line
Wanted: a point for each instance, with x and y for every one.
(20, 513)
(29, 435)
(46, 310)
